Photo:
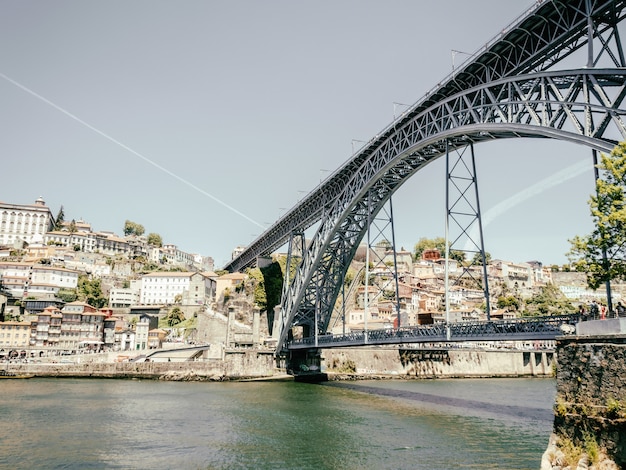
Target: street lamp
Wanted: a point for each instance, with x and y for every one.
(455, 53)
(322, 171)
(395, 105)
(355, 140)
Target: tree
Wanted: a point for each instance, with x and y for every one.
(155, 239)
(509, 302)
(59, 221)
(477, 260)
(175, 316)
(67, 295)
(438, 243)
(90, 291)
(133, 228)
(602, 254)
(548, 301)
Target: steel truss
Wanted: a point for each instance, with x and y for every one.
(574, 106)
(462, 216)
(505, 90)
(547, 33)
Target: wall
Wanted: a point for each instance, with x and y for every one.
(439, 363)
(591, 392)
(236, 365)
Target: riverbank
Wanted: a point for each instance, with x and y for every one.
(346, 364)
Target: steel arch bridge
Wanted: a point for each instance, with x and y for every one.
(509, 89)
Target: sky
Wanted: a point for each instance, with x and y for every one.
(205, 121)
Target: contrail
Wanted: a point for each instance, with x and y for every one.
(127, 148)
(537, 188)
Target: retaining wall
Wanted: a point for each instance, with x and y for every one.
(235, 365)
(440, 363)
(591, 392)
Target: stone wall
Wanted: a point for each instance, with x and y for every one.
(591, 393)
(243, 364)
(439, 363)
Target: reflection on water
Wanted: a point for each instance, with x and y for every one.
(77, 424)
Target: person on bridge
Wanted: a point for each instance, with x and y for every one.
(603, 310)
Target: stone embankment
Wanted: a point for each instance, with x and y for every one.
(235, 365)
(367, 363)
(590, 408)
(341, 364)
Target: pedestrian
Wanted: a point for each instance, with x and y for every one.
(620, 310)
(594, 310)
(602, 311)
(582, 311)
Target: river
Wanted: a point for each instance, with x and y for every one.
(499, 424)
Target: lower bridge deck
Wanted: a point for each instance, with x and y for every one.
(520, 329)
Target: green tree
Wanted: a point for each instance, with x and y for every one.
(548, 301)
(67, 295)
(175, 316)
(90, 291)
(509, 302)
(438, 243)
(268, 287)
(477, 260)
(155, 239)
(133, 228)
(60, 219)
(602, 254)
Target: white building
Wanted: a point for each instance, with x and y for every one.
(38, 280)
(141, 333)
(162, 288)
(125, 297)
(24, 223)
(85, 241)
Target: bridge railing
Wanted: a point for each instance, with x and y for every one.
(532, 328)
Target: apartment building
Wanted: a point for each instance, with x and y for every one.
(163, 288)
(46, 328)
(35, 280)
(90, 327)
(13, 335)
(123, 297)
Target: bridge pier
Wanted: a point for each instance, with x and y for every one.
(305, 365)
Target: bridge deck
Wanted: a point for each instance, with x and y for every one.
(523, 329)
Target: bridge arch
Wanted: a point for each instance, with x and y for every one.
(581, 106)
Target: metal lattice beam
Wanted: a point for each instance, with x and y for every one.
(547, 33)
(575, 106)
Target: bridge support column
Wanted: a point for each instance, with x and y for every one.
(305, 365)
(256, 327)
(464, 230)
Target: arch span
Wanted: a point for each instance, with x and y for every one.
(582, 107)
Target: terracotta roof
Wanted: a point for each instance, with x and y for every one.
(169, 274)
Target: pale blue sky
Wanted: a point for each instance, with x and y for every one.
(202, 120)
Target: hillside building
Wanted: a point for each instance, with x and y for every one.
(163, 288)
(22, 224)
